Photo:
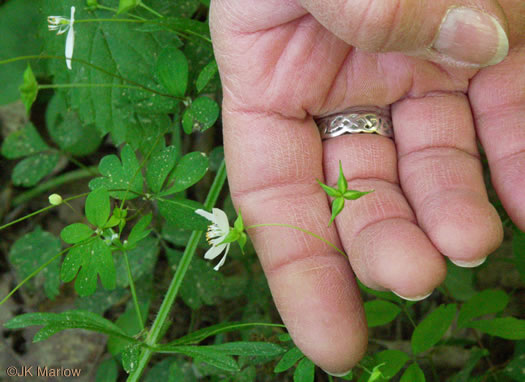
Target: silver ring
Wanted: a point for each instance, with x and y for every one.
(360, 119)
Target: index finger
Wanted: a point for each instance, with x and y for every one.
(273, 163)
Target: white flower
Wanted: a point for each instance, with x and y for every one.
(217, 232)
(63, 24)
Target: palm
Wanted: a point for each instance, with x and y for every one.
(280, 67)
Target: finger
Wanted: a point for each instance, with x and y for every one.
(498, 101)
(379, 232)
(459, 31)
(442, 177)
(272, 165)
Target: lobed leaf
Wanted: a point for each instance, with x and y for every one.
(31, 170)
(75, 233)
(172, 70)
(207, 355)
(120, 175)
(159, 166)
(206, 74)
(245, 348)
(23, 142)
(98, 207)
(191, 168)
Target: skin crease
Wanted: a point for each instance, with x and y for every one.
(279, 67)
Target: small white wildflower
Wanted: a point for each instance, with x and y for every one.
(217, 232)
(55, 199)
(63, 24)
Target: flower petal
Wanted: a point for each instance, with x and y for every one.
(205, 214)
(221, 263)
(221, 220)
(214, 251)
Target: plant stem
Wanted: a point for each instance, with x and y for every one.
(407, 312)
(156, 329)
(133, 291)
(150, 10)
(39, 57)
(302, 230)
(110, 20)
(39, 211)
(114, 10)
(88, 85)
(53, 183)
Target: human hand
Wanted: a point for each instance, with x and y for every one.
(284, 62)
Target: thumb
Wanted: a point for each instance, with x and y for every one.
(461, 32)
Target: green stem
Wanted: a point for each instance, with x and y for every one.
(405, 309)
(39, 211)
(133, 291)
(110, 20)
(302, 230)
(87, 85)
(156, 329)
(150, 10)
(83, 62)
(53, 183)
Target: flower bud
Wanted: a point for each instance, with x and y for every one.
(55, 199)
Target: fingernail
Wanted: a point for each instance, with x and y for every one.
(469, 264)
(337, 374)
(470, 36)
(415, 298)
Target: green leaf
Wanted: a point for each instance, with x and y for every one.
(181, 213)
(289, 359)
(342, 183)
(15, 17)
(75, 233)
(518, 249)
(159, 166)
(98, 207)
(460, 282)
(66, 129)
(23, 142)
(380, 312)
(128, 322)
(127, 5)
(224, 327)
(201, 285)
(244, 348)
(206, 75)
(509, 328)
(55, 322)
(139, 230)
(337, 206)
(413, 374)
(142, 260)
(429, 331)
(191, 168)
(28, 89)
(489, 301)
(107, 371)
(207, 355)
(117, 175)
(201, 115)
(118, 51)
(354, 195)
(392, 360)
(92, 258)
(31, 170)
(330, 191)
(305, 371)
(31, 251)
(130, 358)
(172, 70)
